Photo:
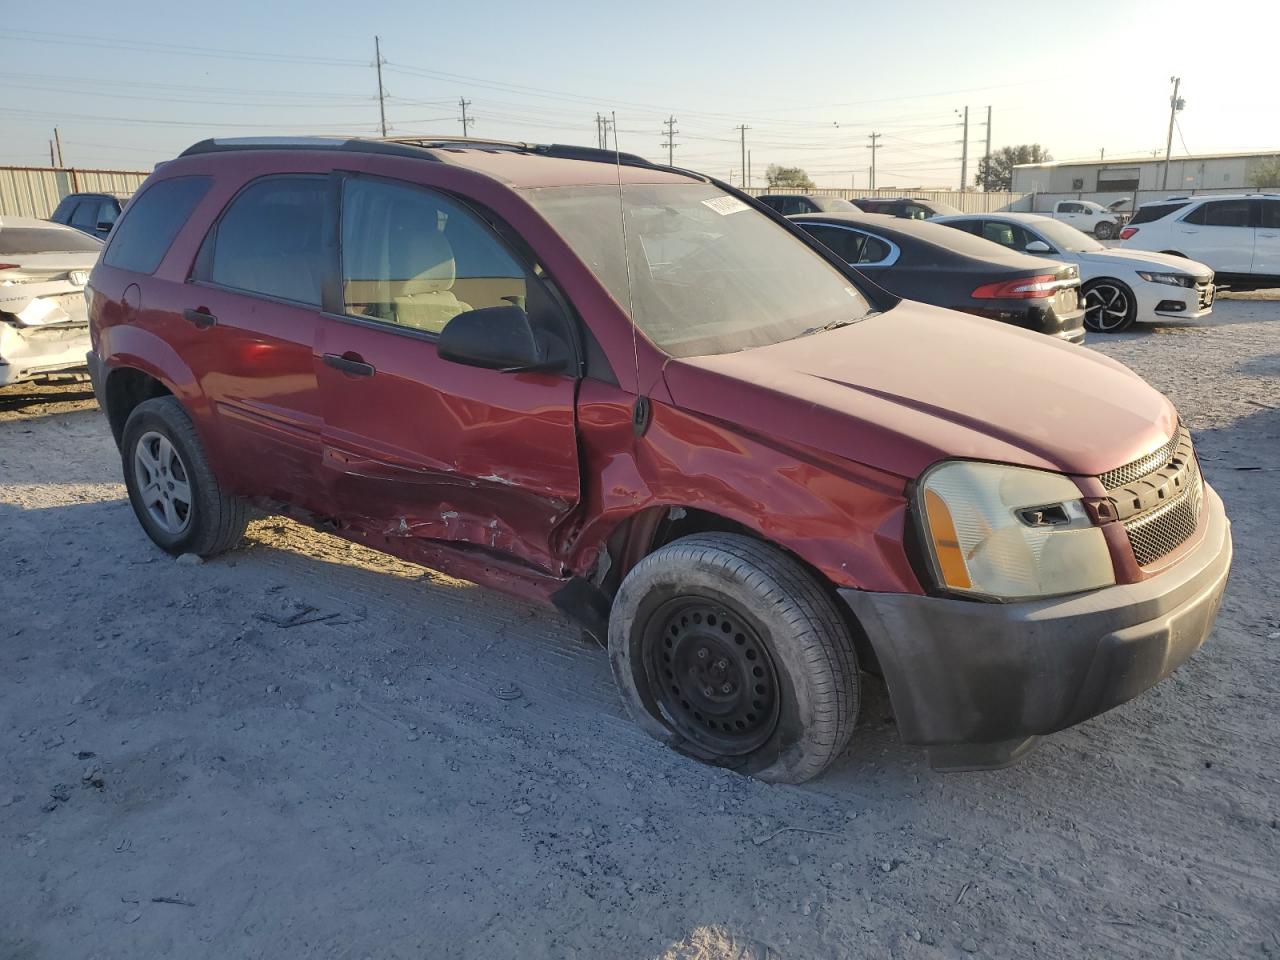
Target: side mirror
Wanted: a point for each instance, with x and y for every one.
(1036, 246)
(495, 338)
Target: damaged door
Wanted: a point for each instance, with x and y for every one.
(416, 446)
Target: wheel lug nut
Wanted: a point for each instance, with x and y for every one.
(708, 691)
(727, 688)
(702, 653)
(722, 664)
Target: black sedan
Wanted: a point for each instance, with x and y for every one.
(936, 264)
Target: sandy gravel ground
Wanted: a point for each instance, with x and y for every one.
(308, 749)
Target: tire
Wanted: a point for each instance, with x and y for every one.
(1104, 230)
(728, 650)
(171, 488)
(1109, 306)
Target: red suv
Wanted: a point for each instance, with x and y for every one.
(633, 392)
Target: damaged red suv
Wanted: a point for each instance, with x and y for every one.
(634, 393)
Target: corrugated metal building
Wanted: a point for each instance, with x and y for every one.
(35, 191)
(1227, 172)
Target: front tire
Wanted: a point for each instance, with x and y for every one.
(171, 487)
(728, 650)
(1109, 306)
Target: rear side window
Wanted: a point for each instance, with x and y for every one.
(1222, 213)
(1270, 214)
(153, 219)
(86, 215)
(846, 244)
(1150, 212)
(270, 240)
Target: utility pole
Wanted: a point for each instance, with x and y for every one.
(964, 151)
(987, 155)
(382, 94)
(464, 104)
(748, 168)
(874, 138)
(1175, 104)
(599, 131)
(670, 142)
(51, 163)
(58, 140)
(742, 131)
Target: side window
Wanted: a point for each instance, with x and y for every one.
(1227, 213)
(1270, 215)
(108, 211)
(85, 215)
(153, 219)
(874, 251)
(916, 212)
(414, 257)
(270, 240)
(968, 226)
(1001, 233)
(770, 202)
(846, 244)
(1070, 208)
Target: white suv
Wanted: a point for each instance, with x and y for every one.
(1237, 235)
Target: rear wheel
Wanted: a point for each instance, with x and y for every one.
(1104, 230)
(171, 487)
(728, 650)
(1109, 306)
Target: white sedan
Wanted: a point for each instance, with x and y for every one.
(1120, 287)
(44, 327)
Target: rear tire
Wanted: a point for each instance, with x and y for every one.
(1104, 230)
(1109, 306)
(728, 650)
(172, 489)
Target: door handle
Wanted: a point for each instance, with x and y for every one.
(349, 363)
(203, 319)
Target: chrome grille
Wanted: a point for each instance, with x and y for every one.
(1162, 530)
(1123, 476)
(1204, 294)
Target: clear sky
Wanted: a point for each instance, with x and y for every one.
(129, 84)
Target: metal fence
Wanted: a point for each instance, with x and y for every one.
(970, 201)
(35, 191)
(1042, 202)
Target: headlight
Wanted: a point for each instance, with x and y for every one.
(1173, 279)
(1009, 533)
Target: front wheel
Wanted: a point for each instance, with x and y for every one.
(728, 650)
(1109, 306)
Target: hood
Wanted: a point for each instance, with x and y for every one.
(904, 389)
(1142, 260)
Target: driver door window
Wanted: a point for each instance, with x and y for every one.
(416, 259)
(1006, 234)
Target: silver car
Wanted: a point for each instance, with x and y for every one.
(44, 329)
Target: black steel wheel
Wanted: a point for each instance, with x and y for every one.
(712, 675)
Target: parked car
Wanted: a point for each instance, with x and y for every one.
(1120, 287)
(1087, 217)
(906, 208)
(44, 330)
(1237, 235)
(789, 203)
(930, 263)
(630, 392)
(91, 213)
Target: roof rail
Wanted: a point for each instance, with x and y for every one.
(413, 146)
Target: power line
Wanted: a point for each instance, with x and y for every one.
(147, 46)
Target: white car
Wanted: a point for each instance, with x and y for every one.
(44, 326)
(1120, 287)
(1238, 235)
(1087, 216)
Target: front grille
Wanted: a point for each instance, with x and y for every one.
(1162, 530)
(1158, 498)
(1123, 476)
(1204, 294)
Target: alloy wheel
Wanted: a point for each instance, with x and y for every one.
(164, 486)
(1106, 307)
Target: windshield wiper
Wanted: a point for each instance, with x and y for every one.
(836, 324)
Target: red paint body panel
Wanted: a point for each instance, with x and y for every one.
(517, 480)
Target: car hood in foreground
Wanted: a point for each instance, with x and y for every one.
(902, 390)
(1142, 260)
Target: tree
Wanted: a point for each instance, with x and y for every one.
(794, 177)
(998, 174)
(1266, 173)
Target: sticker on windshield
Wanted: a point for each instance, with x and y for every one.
(725, 205)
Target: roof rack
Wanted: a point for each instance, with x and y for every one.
(414, 146)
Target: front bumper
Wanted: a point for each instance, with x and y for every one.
(977, 683)
(1186, 303)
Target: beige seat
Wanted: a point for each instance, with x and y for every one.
(426, 300)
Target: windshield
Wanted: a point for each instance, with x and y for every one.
(709, 274)
(1066, 237)
(46, 240)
